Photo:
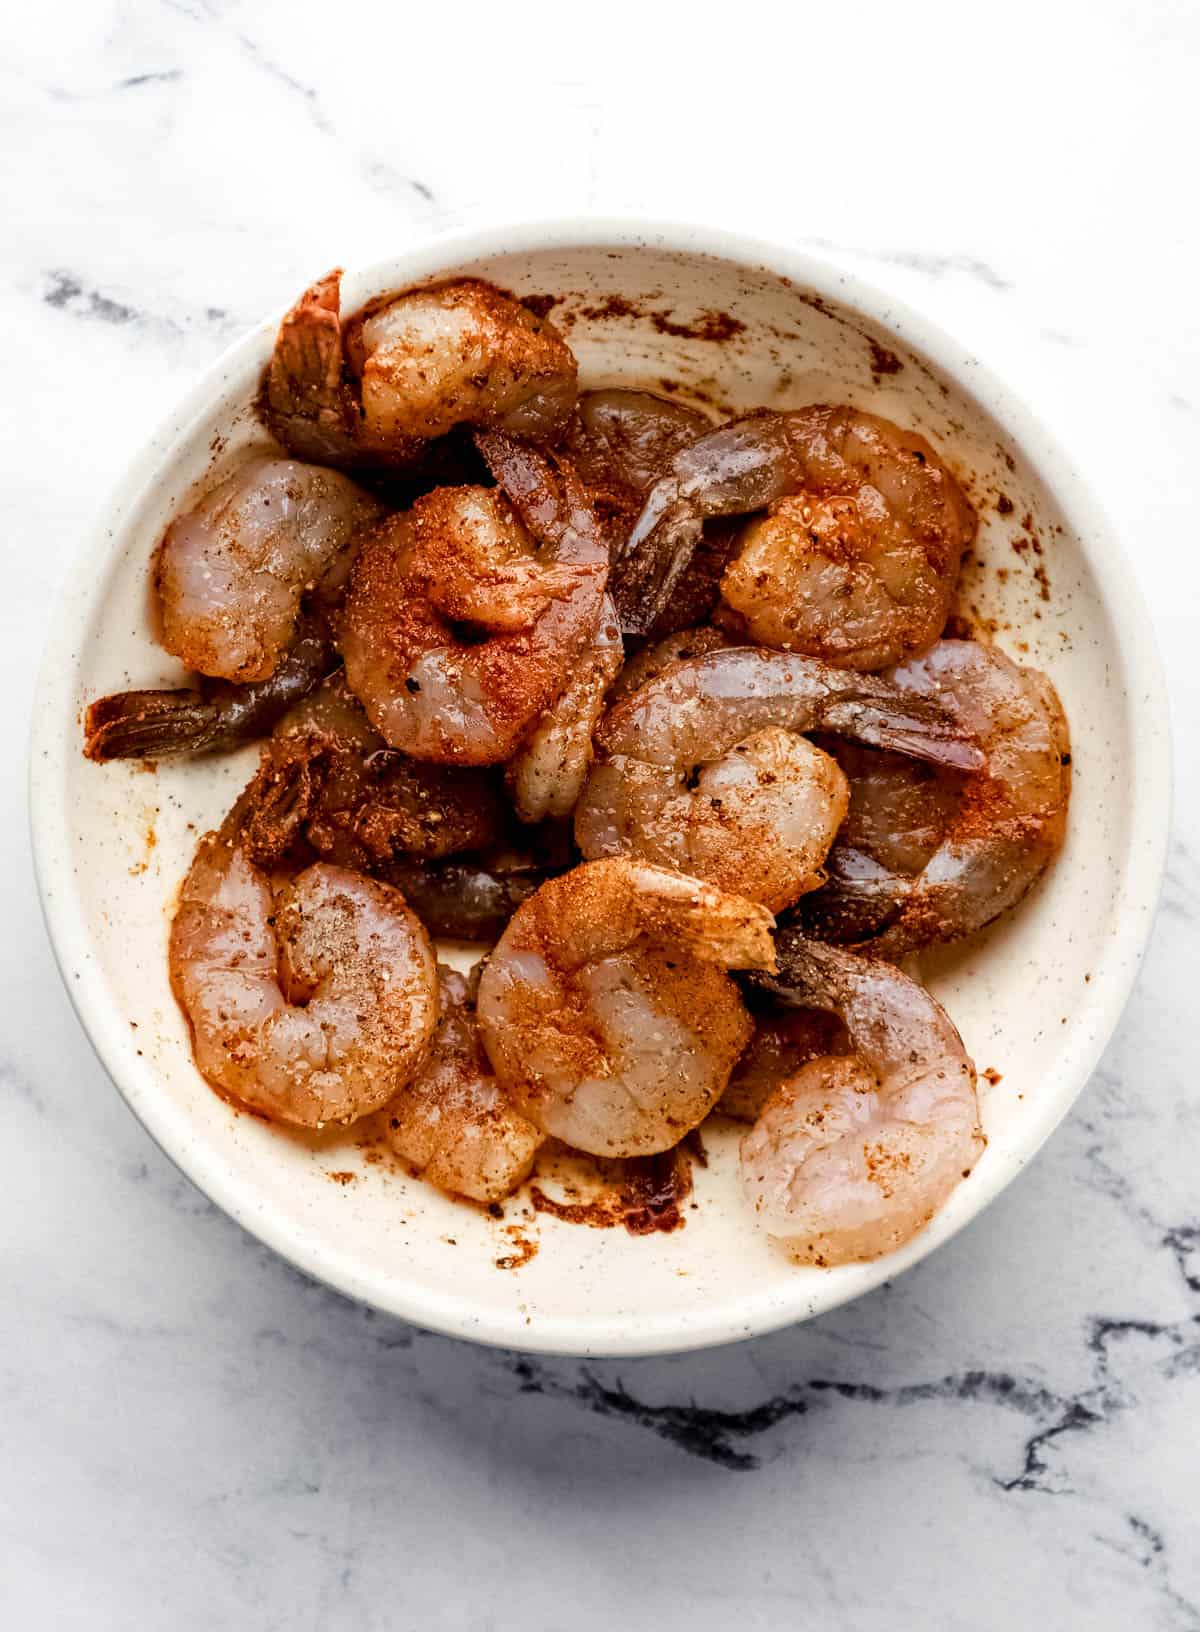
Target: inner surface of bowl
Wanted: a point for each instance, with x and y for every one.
(1033, 997)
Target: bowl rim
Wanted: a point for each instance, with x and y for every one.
(54, 736)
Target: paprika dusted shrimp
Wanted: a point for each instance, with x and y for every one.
(606, 1009)
(451, 1121)
(546, 774)
(460, 556)
(857, 558)
(311, 1007)
(855, 1153)
(703, 768)
(410, 368)
(231, 571)
(933, 859)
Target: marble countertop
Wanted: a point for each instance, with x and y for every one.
(194, 1435)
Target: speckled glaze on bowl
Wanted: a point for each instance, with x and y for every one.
(1036, 997)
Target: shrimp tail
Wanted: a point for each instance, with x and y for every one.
(151, 725)
(305, 399)
(267, 820)
(216, 716)
(859, 900)
(809, 974)
(914, 727)
(654, 557)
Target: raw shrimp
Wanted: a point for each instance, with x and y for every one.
(231, 571)
(854, 1154)
(451, 1121)
(334, 784)
(546, 774)
(702, 768)
(926, 860)
(654, 659)
(216, 714)
(311, 1007)
(784, 1040)
(411, 368)
(606, 1009)
(855, 563)
(435, 689)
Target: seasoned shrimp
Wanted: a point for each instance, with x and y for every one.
(606, 1009)
(546, 774)
(854, 1154)
(451, 1121)
(461, 556)
(411, 368)
(703, 768)
(327, 778)
(311, 1007)
(655, 658)
(231, 571)
(858, 556)
(927, 860)
(214, 715)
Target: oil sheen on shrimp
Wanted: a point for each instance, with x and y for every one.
(411, 368)
(853, 1155)
(857, 558)
(546, 774)
(456, 635)
(311, 1007)
(607, 1010)
(231, 571)
(928, 859)
(451, 1121)
(703, 768)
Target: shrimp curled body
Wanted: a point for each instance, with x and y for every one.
(858, 555)
(606, 1009)
(451, 1121)
(855, 1153)
(703, 769)
(231, 571)
(933, 859)
(461, 557)
(411, 368)
(311, 1008)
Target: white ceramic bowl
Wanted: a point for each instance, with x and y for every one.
(1036, 997)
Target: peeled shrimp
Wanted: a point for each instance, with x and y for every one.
(214, 715)
(606, 1009)
(856, 560)
(854, 1154)
(703, 769)
(312, 1007)
(231, 571)
(461, 556)
(546, 774)
(451, 1121)
(653, 659)
(411, 368)
(932, 859)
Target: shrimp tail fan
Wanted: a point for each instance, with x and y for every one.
(151, 725)
(920, 727)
